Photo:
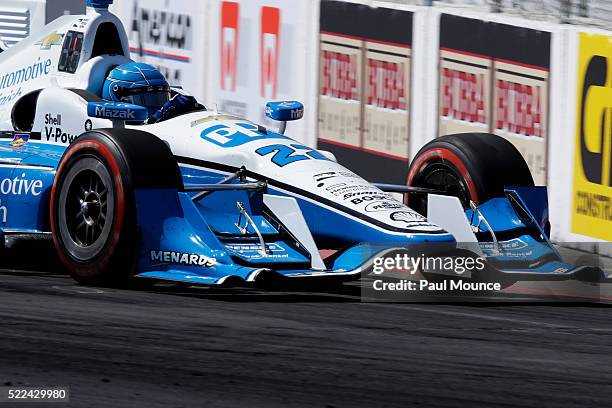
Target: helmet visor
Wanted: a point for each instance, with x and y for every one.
(155, 99)
(147, 96)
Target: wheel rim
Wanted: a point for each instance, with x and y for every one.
(86, 209)
(440, 175)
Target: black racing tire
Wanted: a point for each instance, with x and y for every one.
(93, 206)
(471, 166)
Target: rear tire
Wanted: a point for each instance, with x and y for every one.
(471, 166)
(93, 206)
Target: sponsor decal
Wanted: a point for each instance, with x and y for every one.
(269, 48)
(50, 40)
(369, 198)
(286, 104)
(25, 74)
(282, 155)
(252, 250)
(592, 187)
(229, 44)
(21, 76)
(511, 245)
(18, 186)
(383, 206)
(514, 248)
(409, 217)
(54, 132)
(413, 220)
(81, 23)
(57, 135)
(373, 192)
(182, 258)
(88, 125)
(354, 187)
(353, 190)
(3, 213)
(11, 96)
(235, 134)
(53, 120)
(20, 140)
(322, 178)
(128, 114)
(238, 133)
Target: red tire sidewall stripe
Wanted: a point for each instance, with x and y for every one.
(109, 248)
(447, 155)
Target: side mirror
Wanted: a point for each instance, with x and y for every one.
(117, 111)
(284, 111)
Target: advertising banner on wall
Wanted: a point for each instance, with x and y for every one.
(592, 186)
(364, 84)
(494, 78)
(169, 34)
(259, 54)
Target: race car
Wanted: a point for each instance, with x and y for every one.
(129, 182)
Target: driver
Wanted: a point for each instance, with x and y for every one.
(143, 85)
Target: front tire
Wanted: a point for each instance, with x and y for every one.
(471, 166)
(86, 207)
(93, 206)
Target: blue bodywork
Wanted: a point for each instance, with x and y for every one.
(103, 4)
(196, 241)
(117, 110)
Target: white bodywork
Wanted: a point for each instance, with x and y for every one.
(61, 116)
(448, 211)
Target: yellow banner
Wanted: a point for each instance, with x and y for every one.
(592, 192)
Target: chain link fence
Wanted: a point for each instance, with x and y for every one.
(588, 12)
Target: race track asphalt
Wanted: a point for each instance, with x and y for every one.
(172, 346)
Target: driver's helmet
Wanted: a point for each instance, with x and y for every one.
(138, 84)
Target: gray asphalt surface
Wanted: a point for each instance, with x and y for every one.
(181, 347)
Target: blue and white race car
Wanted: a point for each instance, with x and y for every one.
(131, 178)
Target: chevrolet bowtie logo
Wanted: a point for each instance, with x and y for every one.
(51, 39)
